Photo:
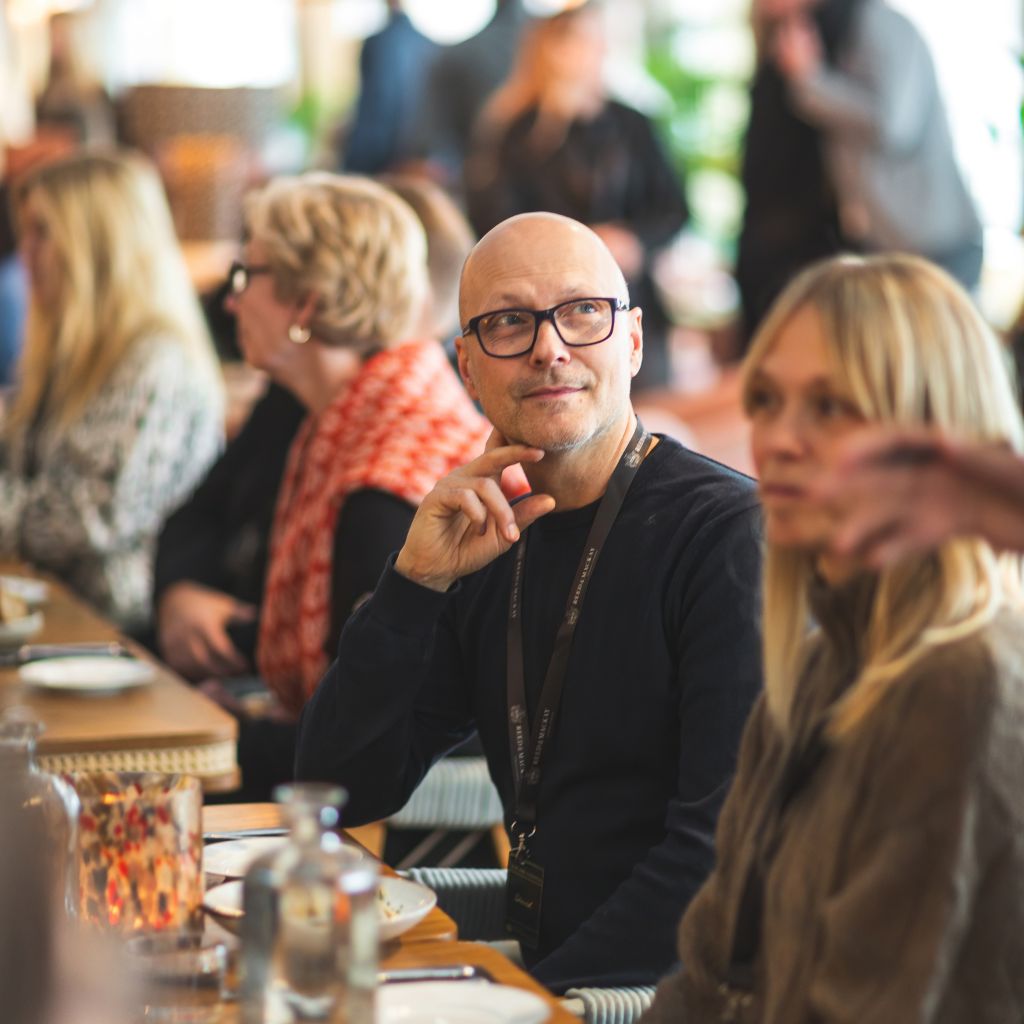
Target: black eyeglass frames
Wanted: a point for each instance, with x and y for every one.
(507, 333)
(241, 274)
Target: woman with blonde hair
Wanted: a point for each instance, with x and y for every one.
(118, 408)
(330, 302)
(869, 855)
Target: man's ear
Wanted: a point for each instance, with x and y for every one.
(636, 339)
(464, 371)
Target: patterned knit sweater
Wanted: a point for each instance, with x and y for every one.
(86, 503)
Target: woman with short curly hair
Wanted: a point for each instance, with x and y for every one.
(330, 302)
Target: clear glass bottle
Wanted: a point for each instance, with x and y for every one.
(49, 805)
(309, 931)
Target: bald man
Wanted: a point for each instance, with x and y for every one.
(599, 633)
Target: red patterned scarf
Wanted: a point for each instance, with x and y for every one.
(400, 426)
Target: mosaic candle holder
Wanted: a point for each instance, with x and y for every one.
(139, 851)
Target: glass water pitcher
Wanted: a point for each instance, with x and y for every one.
(310, 926)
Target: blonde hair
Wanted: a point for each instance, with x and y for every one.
(122, 280)
(352, 243)
(449, 241)
(913, 350)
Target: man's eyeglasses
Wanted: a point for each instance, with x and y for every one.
(506, 333)
(241, 274)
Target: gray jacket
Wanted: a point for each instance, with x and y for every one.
(888, 142)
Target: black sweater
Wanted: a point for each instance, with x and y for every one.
(663, 670)
(221, 536)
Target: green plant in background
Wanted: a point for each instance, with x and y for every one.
(703, 70)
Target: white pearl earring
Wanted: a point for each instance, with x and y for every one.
(298, 335)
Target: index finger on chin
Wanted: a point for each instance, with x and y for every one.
(496, 439)
(494, 461)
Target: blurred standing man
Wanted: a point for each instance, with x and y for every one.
(392, 69)
(608, 658)
(458, 83)
(888, 145)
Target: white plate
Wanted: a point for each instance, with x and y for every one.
(409, 901)
(407, 904)
(17, 631)
(32, 592)
(458, 1002)
(231, 859)
(87, 674)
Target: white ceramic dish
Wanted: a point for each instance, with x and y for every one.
(91, 674)
(458, 1002)
(33, 592)
(231, 859)
(402, 904)
(17, 631)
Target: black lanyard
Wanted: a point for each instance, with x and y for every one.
(527, 742)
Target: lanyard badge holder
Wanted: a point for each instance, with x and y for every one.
(525, 887)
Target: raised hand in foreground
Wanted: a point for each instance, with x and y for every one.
(895, 492)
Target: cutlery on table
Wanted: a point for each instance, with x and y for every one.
(37, 652)
(456, 972)
(225, 835)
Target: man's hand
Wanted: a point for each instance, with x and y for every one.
(894, 493)
(192, 623)
(466, 521)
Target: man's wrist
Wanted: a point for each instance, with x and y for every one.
(404, 566)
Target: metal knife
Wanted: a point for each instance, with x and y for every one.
(225, 835)
(456, 972)
(36, 652)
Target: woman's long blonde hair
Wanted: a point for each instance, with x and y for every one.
(122, 280)
(913, 350)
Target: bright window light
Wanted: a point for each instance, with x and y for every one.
(450, 22)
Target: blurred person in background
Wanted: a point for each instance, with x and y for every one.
(449, 241)
(15, 129)
(552, 139)
(877, 104)
(13, 292)
(330, 302)
(393, 67)
(73, 99)
(458, 83)
(212, 554)
(869, 855)
(118, 408)
(790, 219)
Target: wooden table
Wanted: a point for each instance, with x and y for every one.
(165, 726)
(430, 944)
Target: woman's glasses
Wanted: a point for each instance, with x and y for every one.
(240, 275)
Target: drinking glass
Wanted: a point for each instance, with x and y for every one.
(139, 851)
(177, 977)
